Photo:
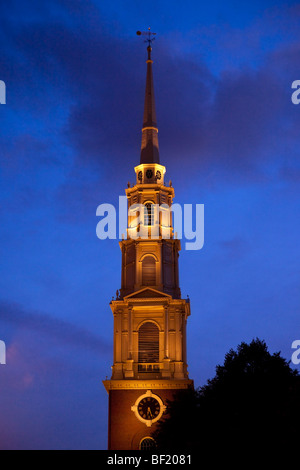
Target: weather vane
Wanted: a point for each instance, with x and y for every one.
(148, 33)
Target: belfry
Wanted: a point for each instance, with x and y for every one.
(150, 317)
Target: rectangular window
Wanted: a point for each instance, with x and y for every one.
(149, 214)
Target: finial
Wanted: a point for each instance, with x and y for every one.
(148, 33)
(149, 39)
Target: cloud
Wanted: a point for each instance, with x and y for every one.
(290, 174)
(234, 248)
(58, 330)
(94, 82)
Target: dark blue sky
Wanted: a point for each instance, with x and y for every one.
(70, 136)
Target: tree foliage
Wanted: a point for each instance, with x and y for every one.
(253, 399)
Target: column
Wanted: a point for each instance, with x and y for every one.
(166, 331)
(129, 332)
(128, 367)
(166, 372)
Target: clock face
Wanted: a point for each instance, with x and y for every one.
(149, 408)
(149, 174)
(140, 175)
(158, 174)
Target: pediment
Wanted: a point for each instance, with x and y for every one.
(147, 293)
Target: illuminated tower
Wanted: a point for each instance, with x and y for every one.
(150, 316)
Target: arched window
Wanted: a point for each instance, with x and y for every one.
(149, 214)
(148, 271)
(148, 343)
(147, 443)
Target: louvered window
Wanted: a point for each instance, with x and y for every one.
(148, 271)
(148, 343)
(149, 214)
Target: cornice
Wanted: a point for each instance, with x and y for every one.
(148, 384)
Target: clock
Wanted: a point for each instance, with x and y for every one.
(140, 175)
(158, 175)
(148, 408)
(149, 174)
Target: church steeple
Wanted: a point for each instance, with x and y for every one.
(150, 316)
(149, 147)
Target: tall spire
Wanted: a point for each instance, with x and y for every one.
(149, 147)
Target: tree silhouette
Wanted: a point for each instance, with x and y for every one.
(252, 400)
